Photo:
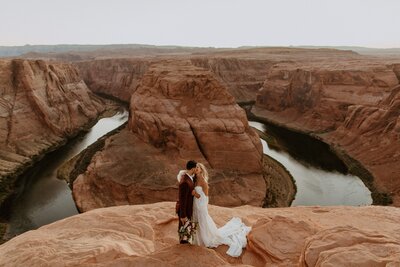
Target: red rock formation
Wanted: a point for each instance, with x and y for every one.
(314, 90)
(115, 77)
(242, 76)
(320, 94)
(372, 134)
(179, 112)
(40, 106)
(351, 105)
(181, 108)
(130, 171)
(245, 70)
(145, 235)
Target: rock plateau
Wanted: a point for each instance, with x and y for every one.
(146, 235)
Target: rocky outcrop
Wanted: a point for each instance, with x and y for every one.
(178, 112)
(184, 109)
(113, 77)
(145, 235)
(352, 105)
(320, 96)
(372, 134)
(41, 105)
(242, 76)
(120, 77)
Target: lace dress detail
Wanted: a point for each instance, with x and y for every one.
(232, 234)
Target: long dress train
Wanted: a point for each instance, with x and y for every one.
(232, 234)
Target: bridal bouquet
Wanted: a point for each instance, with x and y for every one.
(187, 231)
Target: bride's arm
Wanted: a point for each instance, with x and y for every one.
(194, 193)
(205, 189)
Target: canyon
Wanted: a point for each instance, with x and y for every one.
(354, 106)
(185, 105)
(177, 112)
(41, 106)
(343, 98)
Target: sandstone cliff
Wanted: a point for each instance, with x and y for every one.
(312, 90)
(114, 77)
(320, 94)
(178, 112)
(182, 108)
(242, 76)
(351, 105)
(41, 105)
(320, 91)
(145, 235)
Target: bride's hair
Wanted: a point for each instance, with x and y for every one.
(203, 170)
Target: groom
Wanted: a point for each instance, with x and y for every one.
(185, 202)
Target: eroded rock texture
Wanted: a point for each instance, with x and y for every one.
(145, 235)
(114, 77)
(178, 112)
(41, 105)
(243, 76)
(351, 105)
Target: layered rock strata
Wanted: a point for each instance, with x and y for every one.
(114, 77)
(324, 92)
(41, 105)
(145, 235)
(178, 112)
(242, 76)
(354, 107)
(184, 109)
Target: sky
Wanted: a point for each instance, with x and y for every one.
(217, 23)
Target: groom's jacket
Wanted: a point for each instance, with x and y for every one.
(185, 203)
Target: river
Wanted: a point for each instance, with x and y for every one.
(318, 181)
(44, 198)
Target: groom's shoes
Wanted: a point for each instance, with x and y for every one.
(184, 242)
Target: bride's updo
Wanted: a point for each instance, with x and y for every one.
(203, 171)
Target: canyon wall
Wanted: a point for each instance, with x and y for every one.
(242, 76)
(41, 105)
(119, 77)
(114, 77)
(178, 112)
(352, 105)
(324, 92)
(321, 95)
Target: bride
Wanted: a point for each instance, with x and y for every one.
(232, 234)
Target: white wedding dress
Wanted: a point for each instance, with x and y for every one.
(232, 234)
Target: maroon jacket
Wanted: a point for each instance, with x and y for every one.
(185, 203)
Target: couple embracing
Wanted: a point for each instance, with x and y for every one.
(195, 224)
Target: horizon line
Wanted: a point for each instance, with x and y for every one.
(195, 46)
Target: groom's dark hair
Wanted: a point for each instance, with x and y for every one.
(191, 164)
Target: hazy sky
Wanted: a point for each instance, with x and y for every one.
(221, 23)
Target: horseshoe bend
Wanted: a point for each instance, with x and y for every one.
(197, 104)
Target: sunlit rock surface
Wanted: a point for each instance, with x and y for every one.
(146, 235)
